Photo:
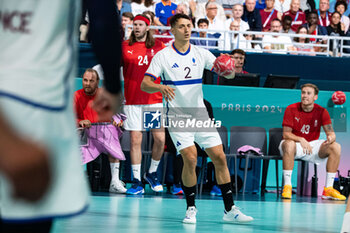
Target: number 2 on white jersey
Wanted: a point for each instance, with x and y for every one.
(305, 129)
(143, 60)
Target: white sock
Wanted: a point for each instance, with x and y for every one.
(287, 177)
(330, 179)
(346, 223)
(136, 171)
(115, 171)
(154, 166)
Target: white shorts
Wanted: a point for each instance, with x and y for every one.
(68, 193)
(314, 158)
(205, 140)
(134, 115)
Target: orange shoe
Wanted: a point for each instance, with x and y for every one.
(287, 192)
(332, 194)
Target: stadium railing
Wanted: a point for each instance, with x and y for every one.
(227, 41)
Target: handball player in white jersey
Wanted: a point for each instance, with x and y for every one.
(41, 176)
(181, 67)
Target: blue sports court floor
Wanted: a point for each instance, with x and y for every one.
(163, 213)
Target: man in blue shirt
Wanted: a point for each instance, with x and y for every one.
(203, 24)
(164, 10)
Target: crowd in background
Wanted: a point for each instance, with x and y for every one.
(298, 17)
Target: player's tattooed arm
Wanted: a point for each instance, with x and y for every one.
(330, 133)
(149, 86)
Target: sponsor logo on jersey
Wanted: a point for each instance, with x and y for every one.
(152, 119)
(130, 51)
(297, 119)
(162, 12)
(175, 66)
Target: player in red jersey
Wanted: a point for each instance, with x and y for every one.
(302, 123)
(137, 55)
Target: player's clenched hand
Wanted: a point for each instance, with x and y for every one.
(106, 104)
(26, 165)
(307, 149)
(167, 92)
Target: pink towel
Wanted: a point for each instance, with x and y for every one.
(103, 138)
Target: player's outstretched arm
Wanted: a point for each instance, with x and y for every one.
(24, 163)
(149, 86)
(106, 40)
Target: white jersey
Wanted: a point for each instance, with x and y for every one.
(37, 67)
(182, 71)
(37, 37)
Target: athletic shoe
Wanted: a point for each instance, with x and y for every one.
(190, 217)
(236, 216)
(177, 190)
(136, 188)
(215, 191)
(287, 192)
(152, 179)
(117, 187)
(332, 194)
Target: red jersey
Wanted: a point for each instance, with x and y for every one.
(306, 124)
(266, 18)
(298, 19)
(82, 105)
(136, 60)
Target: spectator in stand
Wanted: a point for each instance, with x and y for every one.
(180, 9)
(201, 12)
(336, 28)
(313, 28)
(287, 24)
(252, 15)
(215, 23)
(282, 6)
(277, 44)
(83, 99)
(237, 13)
(324, 16)
(235, 40)
(341, 7)
(302, 43)
(297, 15)
(260, 4)
(127, 18)
(332, 7)
(139, 6)
(203, 24)
(256, 45)
(122, 6)
(164, 10)
(268, 14)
